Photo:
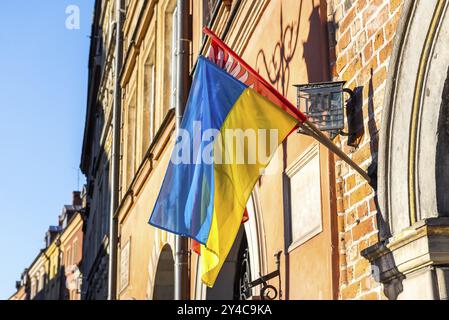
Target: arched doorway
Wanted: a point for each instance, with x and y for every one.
(245, 262)
(236, 271)
(164, 283)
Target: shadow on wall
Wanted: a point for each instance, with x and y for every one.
(96, 220)
(442, 156)
(277, 64)
(53, 289)
(384, 228)
(384, 269)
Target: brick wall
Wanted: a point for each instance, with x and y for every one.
(361, 41)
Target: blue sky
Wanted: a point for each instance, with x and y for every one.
(43, 88)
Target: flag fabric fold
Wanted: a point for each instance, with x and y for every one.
(185, 202)
(206, 200)
(196, 246)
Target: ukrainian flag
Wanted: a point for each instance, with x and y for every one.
(205, 200)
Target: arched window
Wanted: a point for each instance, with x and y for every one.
(164, 284)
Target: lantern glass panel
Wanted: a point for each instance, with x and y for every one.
(323, 104)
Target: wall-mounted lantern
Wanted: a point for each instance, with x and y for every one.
(324, 105)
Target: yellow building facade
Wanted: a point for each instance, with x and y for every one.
(293, 53)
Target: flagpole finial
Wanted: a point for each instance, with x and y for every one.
(206, 30)
(209, 32)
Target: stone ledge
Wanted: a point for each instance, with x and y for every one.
(424, 245)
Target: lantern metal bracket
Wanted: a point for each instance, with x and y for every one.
(350, 107)
(269, 292)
